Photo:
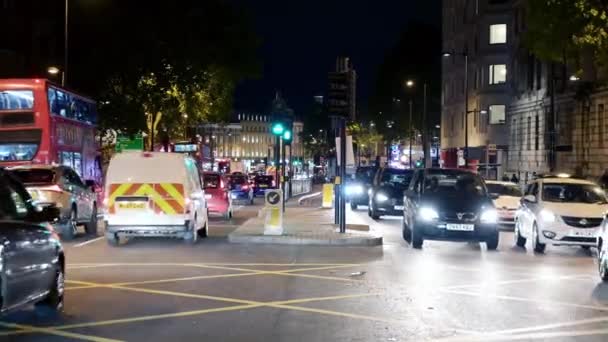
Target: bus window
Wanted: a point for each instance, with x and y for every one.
(16, 99)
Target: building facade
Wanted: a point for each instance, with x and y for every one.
(478, 41)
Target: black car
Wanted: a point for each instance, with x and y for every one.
(27, 243)
(358, 187)
(449, 205)
(261, 183)
(386, 193)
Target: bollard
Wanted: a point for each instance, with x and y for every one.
(273, 224)
(328, 195)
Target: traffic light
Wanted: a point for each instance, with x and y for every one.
(287, 136)
(278, 128)
(418, 164)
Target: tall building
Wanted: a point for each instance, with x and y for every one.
(478, 44)
(342, 92)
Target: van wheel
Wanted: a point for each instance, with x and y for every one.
(91, 226)
(112, 239)
(191, 236)
(204, 232)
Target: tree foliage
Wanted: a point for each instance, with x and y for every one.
(563, 30)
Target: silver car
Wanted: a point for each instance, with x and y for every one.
(62, 187)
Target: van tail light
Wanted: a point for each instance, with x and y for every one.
(187, 202)
(222, 184)
(273, 183)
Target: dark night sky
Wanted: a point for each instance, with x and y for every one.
(301, 40)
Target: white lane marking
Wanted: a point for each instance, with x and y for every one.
(551, 326)
(532, 336)
(529, 300)
(89, 241)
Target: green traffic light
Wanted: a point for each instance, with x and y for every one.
(277, 128)
(287, 135)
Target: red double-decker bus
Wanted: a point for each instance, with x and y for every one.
(43, 123)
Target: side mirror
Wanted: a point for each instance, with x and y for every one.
(48, 214)
(529, 199)
(90, 184)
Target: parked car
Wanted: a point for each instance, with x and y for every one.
(28, 241)
(357, 189)
(240, 189)
(602, 249)
(154, 194)
(508, 196)
(62, 187)
(216, 194)
(559, 210)
(449, 205)
(386, 193)
(261, 183)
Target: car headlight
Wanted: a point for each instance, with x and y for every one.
(381, 197)
(547, 216)
(489, 216)
(354, 189)
(428, 214)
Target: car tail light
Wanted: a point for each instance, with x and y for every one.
(245, 187)
(222, 184)
(53, 188)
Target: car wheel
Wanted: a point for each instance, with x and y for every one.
(538, 246)
(112, 239)
(91, 226)
(373, 214)
(416, 238)
(70, 229)
(520, 241)
(353, 206)
(369, 209)
(54, 300)
(603, 266)
(406, 231)
(492, 241)
(191, 236)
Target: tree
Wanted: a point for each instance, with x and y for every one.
(573, 32)
(315, 135)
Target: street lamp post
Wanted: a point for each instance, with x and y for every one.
(64, 74)
(410, 84)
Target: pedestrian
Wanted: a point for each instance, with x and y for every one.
(514, 179)
(505, 177)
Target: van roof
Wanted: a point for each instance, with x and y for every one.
(147, 167)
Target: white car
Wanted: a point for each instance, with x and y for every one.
(508, 198)
(560, 211)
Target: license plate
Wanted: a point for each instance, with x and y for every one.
(132, 205)
(398, 207)
(461, 227)
(263, 186)
(590, 233)
(208, 196)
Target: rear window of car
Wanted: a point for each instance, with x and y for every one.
(263, 179)
(211, 181)
(238, 180)
(35, 176)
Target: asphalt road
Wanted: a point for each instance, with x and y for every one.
(164, 290)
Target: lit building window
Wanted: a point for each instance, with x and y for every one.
(498, 73)
(498, 34)
(497, 114)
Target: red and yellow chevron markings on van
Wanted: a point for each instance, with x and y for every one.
(167, 198)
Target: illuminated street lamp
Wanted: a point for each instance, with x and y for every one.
(54, 71)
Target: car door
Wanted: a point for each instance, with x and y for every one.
(22, 271)
(528, 210)
(81, 194)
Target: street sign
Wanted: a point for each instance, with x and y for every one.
(273, 200)
(126, 144)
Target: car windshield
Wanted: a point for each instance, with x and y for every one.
(397, 178)
(365, 174)
(211, 181)
(35, 176)
(504, 189)
(573, 193)
(450, 182)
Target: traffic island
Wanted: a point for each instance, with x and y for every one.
(306, 226)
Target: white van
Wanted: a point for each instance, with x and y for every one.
(154, 194)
